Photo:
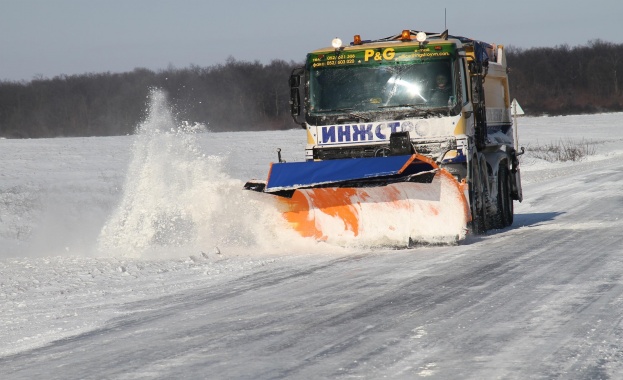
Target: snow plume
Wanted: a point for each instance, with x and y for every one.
(177, 199)
(168, 186)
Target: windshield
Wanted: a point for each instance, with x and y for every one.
(374, 88)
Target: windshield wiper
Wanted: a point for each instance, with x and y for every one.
(351, 114)
(401, 106)
(420, 111)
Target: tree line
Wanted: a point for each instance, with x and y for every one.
(234, 96)
(240, 95)
(564, 80)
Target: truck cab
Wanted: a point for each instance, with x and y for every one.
(441, 96)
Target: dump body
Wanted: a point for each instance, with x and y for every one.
(442, 99)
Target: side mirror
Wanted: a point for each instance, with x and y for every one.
(295, 101)
(295, 94)
(295, 80)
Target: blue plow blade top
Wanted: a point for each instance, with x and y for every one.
(294, 175)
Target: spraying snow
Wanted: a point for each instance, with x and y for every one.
(174, 195)
(178, 199)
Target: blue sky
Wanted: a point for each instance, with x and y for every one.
(53, 37)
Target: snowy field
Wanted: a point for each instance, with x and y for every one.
(140, 257)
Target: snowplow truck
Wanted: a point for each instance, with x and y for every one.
(409, 140)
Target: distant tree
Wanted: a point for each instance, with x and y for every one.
(564, 80)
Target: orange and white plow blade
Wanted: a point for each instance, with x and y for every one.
(394, 214)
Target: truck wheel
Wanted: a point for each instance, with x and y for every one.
(484, 188)
(477, 200)
(500, 219)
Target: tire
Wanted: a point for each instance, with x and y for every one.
(484, 188)
(500, 219)
(477, 200)
(504, 216)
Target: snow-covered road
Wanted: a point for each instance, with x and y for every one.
(541, 299)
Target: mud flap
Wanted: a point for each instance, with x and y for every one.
(516, 193)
